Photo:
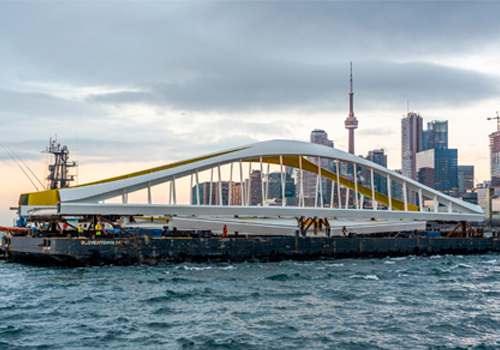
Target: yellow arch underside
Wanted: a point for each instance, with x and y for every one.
(307, 165)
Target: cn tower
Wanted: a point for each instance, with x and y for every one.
(351, 122)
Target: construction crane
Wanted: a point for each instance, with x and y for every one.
(498, 120)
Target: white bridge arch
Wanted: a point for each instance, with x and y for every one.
(89, 199)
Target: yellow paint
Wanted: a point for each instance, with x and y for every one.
(307, 165)
(49, 197)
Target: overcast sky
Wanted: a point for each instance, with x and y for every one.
(146, 83)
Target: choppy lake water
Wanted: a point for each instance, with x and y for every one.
(441, 302)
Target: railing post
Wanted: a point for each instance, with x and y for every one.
(267, 177)
(211, 185)
(347, 197)
(282, 182)
(420, 200)
(220, 186)
(389, 194)
(249, 182)
(242, 192)
(405, 198)
(170, 193)
(339, 197)
(320, 182)
(263, 191)
(355, 174)
(316, 192)
(197, 189)
(332, 193)
(191, 191)
(150, 200)
(229, 194)
(301, 184)
(174, 191)
(374, 201)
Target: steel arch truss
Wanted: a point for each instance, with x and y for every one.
(304, 157)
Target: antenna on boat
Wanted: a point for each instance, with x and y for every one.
(20, 167)
(58, 171)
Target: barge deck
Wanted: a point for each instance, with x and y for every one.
(137, 250)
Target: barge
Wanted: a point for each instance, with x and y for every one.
(145, 250)
(96, 223)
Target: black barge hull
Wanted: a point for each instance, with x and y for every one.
(126, 251)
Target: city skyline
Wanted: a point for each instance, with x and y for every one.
(130, 87)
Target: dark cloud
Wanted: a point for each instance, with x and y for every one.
(173, 42)
(289, 86)
(20, 106)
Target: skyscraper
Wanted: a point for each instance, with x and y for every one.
(275, 190)
(255, 187)
(377, 156)
(204, 190)
(465, 178)
(436, 135)
(319, 137)
(351, 123)
(444, 163)
(495, 158)
(411, 143)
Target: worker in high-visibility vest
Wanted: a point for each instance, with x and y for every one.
(224, 231)
(98, 229)
(80, 230)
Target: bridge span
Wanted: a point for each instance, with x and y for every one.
(352, 201)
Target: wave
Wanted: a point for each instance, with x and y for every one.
(366, 277)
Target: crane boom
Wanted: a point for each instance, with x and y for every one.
(497, 118)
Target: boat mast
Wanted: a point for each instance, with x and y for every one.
(58, 171)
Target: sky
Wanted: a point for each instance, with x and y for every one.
(131, 85)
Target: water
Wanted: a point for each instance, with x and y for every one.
(443, 302)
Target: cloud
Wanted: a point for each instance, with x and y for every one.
(21, 105)
(290, 86)
(171, 42)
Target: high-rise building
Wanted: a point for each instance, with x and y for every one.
(311, 187)
(236, 188)
(377, 156)
(255, 187)
(426, 176)
(351, 123)
(411, 143)
(495, 158)
(436, 135)
(275, 186)
(204, 189)
(194, 199)
(444, 163)
(274, 183)
(465, 178)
